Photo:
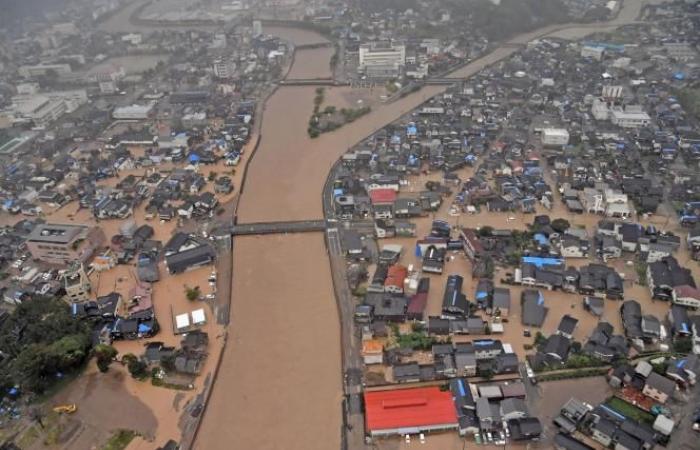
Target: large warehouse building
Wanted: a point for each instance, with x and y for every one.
(409, 411)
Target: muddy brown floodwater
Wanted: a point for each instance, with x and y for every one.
(311, 63)
(286, 177)
(279, 384)
(279, 381)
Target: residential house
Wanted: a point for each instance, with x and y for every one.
(556, 349)
(665, 275)
(566, 442)
(454, 302)
(573, 247)
(658, 387)
(406, 373)
(533, 309)
(185, 252)
(686, 295)
(506, 363)
(513, 408)
(500, 305)
(372, 352)
(466, 364)
(567, 325)
(394, 282)
(472, 245)
(525, 429)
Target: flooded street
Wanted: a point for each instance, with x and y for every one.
(279, 384)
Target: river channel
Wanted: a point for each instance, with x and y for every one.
(279, 384)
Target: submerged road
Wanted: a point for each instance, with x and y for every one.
(280, 383)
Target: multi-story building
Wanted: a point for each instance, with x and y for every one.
(224, 68)
(73, 98)
(64, 243)
(44, 69)
(40, 109)
(629, 117)
(133, 112)
(76, 284)
(382, 59)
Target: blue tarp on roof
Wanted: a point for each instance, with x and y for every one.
(540, 298)
(541, 262)
(337, 192)
(411, 129)
(194, 157)
(143, 328)
(541, 239)
(679, 76)
(481, 294)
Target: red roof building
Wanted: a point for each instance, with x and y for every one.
(409, 411)
(416, 306)
(395, 278)
(382, 196)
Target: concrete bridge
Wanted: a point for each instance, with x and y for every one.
(300, 226)
(312, 82)
(442, 81)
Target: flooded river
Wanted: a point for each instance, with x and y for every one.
(279, 385)
(279, 381)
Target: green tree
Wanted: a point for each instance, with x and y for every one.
(683, 345)
(539, 339)
(560, 225)
(69, 351)
(192, 294)
(41, 340)
(104, 354)
(486, 374)
(486, 231)
(137, 368)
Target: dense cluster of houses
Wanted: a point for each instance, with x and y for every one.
(590, 129)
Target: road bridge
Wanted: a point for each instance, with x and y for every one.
(300, 226)
(443, 81)
(312, 82)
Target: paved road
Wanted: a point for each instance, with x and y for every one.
(350, 342)
(684, 438)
